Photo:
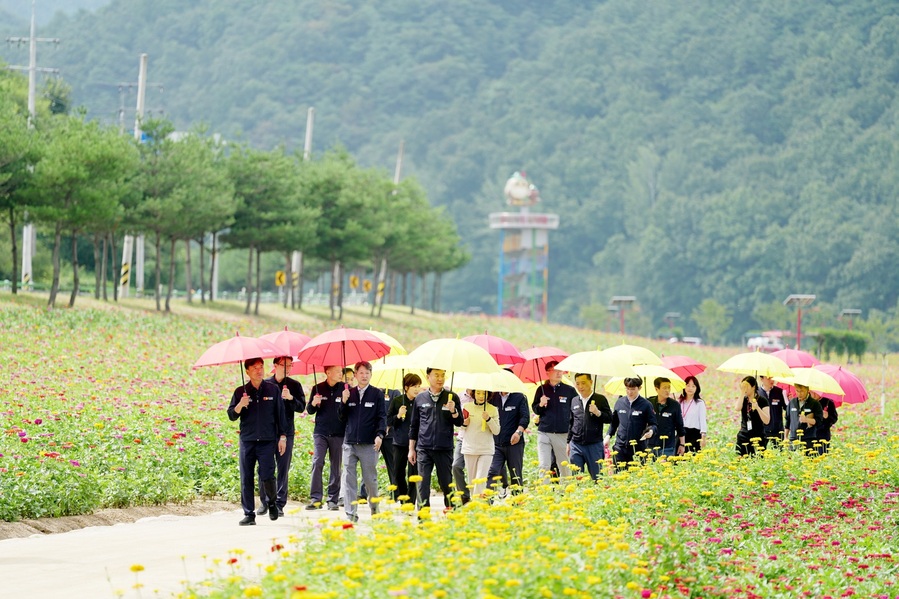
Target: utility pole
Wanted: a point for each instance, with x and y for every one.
(381, 285)
(296, 258)
(28, 235)
(128, 245)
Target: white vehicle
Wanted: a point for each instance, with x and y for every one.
(765, 344)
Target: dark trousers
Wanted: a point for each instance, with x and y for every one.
(587, 455)
(459, 471)
(402, 470)
(692, 439)
(283, 466)
(428, 460)
(333, 446)
(387, 452)
(511, 456)
(252, 453)
(746, 442)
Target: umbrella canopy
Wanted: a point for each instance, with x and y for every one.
(503, 380)
(683, 366)
(632, 354)
(814, 379)
(649, 372)
(853, 389)
(756, 363)
(236, 350)
(796, 358)
(396, 348)
(388, 372)
(502, 351)
(290, 342)
(454, 355)
(533, 369)
(341, 347)
(597, 363)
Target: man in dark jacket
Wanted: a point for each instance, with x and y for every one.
(669, 439)
(365, 414)
(263, 430)
(589, 411)
(803, 415)
(829, 417)
(508, 445)
(633, 422)
(327, 436)
(294, 401)
(777, 405)
(552, 403)
(435, 413)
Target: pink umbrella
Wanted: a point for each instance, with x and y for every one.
(851, 385)
(499, 349)
(290, 342)
(796, 358)
(236, 350)
(341, 347)
(683, 366)
(533, 369)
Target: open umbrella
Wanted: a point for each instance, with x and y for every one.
(632, 354)
(396, 348)
(388, 372)
(290, 342)
(796, 358)
(683, 366)
(236, 350)
(502, 351)
(533, 369)
(502, 380)
(649, 372)
(755, 363)
(597, 363)
(454, 355)
(343, 346)
(814, 379)
(853, 389)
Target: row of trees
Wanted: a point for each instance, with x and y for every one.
(81, 180)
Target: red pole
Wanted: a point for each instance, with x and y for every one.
(850, 322)
(798, 327)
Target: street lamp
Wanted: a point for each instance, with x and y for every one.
(613, 311)
(851, 313)
(670, 317)
(622, 302)
(799, 300)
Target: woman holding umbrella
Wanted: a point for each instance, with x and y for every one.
(754, 415)
(481, 422)
(398, 421)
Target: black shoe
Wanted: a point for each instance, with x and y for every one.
(263, 509)
(340, 501)
(333, 506)
(280, 513)
(273, 511)
(352, 517)
(248, 520)
(313, 506)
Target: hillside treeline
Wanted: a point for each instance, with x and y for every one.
(733, 152)
(83, 183)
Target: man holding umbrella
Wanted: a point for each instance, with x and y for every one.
(633, 422)
(263, 429)
(552, 403)
(327, 436)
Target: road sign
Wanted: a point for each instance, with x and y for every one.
(354, 282)
(366, 285)
(280, 278)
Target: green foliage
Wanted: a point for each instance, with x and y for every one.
(713, 319)
(852, 344)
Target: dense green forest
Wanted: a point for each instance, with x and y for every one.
(696, 150)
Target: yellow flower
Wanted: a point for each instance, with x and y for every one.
(415, 478)
(137, 568)
(252, 591)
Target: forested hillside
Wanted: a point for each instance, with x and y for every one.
(737, 151)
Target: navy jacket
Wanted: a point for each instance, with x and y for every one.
(585, 427)
(832, 417)
(670, 423)
(777, 406)
(555, 416)
(431, 425)
(263, 419)
(514, 414)
(327, 420)
(291, 407)
(399, 426)
(365, 416)
(810, 407)
(631, 420)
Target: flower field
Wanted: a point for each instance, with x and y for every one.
(101, 410)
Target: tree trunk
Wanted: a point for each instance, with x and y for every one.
(75, 278)
(97, 266)
(168, 291)
(103, 270)
(201, 242)
(115, 281)
(54, 285)
(424, 291)
(249, 281)
(288, 281)
(212, 267)
(300, 282)
(332, 296)
(434, 293)
(188, 275)
(158, 271)
(258, 280)
(438, 291)
(411, 292)
(340, 291)
(405, 276)
(15, 251)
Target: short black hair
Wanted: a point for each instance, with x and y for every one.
(633, 381)
(586, 374)
(252, 362)
(659, 380)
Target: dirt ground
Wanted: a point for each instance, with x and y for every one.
(108, 517)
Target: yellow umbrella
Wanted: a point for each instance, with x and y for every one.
(632, 354)
(756, 363)
(454, 355)
(396, 348)
(497, 381)
(649, 372)
(814, 379)
(388, 372)
(597, 363)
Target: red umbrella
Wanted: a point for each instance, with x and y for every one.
(533, 369)
(290, 342)
(235, 350)
(683, 366)
(499, 349)
(341, 347)
(851, 385)
(796, 358)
